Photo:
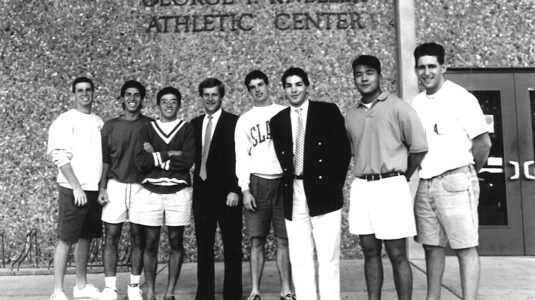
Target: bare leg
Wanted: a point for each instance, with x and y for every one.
(176, 256)
(112, 236)
(400, 266)
(137, 241)
(61, 254)
(373, 266)
(81, 255)
(150, 257)
(434, 262)
(257, 263)
(469, 268)
(283, 265)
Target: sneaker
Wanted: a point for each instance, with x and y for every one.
(289, 296)
(108, 294)
(254, 297)
(59, 296)
(134, 292)
(89, 291)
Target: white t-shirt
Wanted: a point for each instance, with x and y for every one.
(74, 137)
(255, 153)
(451, 117)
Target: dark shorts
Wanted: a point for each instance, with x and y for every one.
(76, 222)
(269, 208)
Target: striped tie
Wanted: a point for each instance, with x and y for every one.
(299, 143)
(206, 148)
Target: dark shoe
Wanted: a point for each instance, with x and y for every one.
(254, 297)
(169, 298)
(288, 297)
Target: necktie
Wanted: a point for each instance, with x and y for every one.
(206, 147)
(299, 143)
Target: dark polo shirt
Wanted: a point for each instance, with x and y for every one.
(383, 136)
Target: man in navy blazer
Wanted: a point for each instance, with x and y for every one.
(216, 194)
(313, 149)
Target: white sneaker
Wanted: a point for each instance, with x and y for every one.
(134, 292)
(89, 291)
(108, 294)
(59, 296)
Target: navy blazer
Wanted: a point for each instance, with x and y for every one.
(220, 164)
(326, 157)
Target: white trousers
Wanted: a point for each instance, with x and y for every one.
(305, 234)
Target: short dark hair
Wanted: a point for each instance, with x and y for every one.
(368, 61)
(133, 84)
(293, 71)
(430, 49)
(256, 74)
(211, 82)
(80, 80)
(168, 90)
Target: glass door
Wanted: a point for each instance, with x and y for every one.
(500, 203)
(525, 95)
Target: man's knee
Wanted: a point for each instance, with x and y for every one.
(257, 243)
(371, 247)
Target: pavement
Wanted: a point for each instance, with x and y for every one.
(503, 278)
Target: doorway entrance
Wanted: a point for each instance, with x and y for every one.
(507, 181)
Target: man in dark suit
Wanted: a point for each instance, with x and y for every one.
(216, 194)
(313, 149)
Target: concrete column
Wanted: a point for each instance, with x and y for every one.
(407, 81)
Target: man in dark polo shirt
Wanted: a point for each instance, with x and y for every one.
(388, 143)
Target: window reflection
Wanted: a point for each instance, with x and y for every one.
(492, 200)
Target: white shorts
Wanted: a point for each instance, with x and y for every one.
(162, 209)
(382, 207)
(120, 197)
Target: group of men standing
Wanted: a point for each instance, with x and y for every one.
(287, 167)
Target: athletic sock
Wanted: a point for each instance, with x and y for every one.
(110, 282)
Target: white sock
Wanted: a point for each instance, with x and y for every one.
(134, 279)
(110, 282)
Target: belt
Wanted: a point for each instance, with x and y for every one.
(373, 177)
(299, 176)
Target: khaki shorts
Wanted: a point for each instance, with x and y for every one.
(381, 207)
(120, 197)
(446, 209)
(162, 209)
(269, 208)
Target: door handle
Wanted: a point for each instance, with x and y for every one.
(516, 175)
(528, 164)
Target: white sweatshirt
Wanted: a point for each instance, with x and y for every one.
(255, 153)
(74, 137)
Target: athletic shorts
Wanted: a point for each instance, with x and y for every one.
(76, 222)
(269, 208)
(162, 209)
(381, 207)
(446, 209)
(120, 196)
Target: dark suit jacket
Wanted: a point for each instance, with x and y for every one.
(326, 157)
(220, 164)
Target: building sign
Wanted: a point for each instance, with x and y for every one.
(191, 16)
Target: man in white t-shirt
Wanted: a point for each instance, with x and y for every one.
(448, 193)
(259, 176)
(74, 143)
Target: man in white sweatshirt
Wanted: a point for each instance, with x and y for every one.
(259, 174)
(74, 143)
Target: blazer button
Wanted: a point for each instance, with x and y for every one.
(319, 143)
(320, 160)
(285, 170)
(282, 152)
(320, 177)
